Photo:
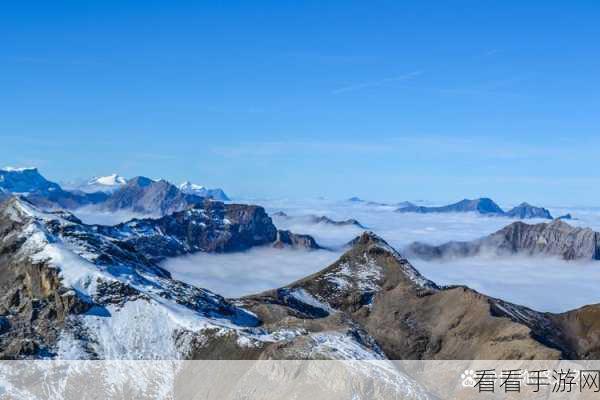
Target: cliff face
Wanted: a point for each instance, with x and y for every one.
(554, 239)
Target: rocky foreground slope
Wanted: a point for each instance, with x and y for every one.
(69, 290)
(73, 290)
(557, 239)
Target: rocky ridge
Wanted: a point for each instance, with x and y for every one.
(319, 219)
(69, 288)
(557, 239)
(484, 206)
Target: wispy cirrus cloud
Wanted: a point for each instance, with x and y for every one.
(381, 82)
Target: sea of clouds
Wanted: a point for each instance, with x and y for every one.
(545, 284)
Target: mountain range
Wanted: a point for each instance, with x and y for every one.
(322, 219)
(483, 206)
(108, 193)
(557, 239)
(71, 290)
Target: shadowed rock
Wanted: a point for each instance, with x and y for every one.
(289, 239)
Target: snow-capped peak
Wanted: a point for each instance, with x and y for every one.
(110, 180)
(108, 184)
(188, 187)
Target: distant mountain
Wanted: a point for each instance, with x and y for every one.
(552, 239)
(25, 181)
(484, 206)
(108, 193)
(527, 211)
(198, 190)
(107, 184)
(316, 219)
(42, 192)
(565, 217)
(328, 221)
(288, 239)
(147, 196)
(355, 200)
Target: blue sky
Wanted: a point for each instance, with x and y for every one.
(386, 100)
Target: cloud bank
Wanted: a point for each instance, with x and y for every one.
(249, 272)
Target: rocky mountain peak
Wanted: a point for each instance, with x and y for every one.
(188, 187)
(527, 211)
(556, 238)
(113, 179)
(140, 181)
(368, 238)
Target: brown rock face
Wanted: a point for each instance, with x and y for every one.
(410, 317)
(34, 306)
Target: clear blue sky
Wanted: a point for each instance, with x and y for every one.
(388, 100)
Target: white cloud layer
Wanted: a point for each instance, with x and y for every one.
(249, 272)
(544, 284)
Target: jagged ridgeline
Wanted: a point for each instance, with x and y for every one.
(557, 239)
(109, 193)
(71, 290)
(484, 206)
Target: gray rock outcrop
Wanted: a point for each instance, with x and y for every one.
(557, 239)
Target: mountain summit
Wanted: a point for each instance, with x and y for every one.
(527, 211)
(107, 184)
(191, 188)
(410, 317)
